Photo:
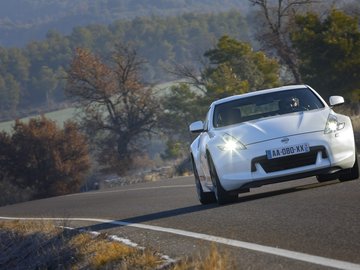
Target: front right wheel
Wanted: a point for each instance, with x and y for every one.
(352, 173)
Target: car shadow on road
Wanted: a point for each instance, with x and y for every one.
(199, 208)
(278, 192)
(149, 217)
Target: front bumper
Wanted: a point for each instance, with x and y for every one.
(251, 168)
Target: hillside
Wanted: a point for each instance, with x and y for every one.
(22, 21)
(30, 77)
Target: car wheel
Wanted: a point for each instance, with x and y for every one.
(204, 197)
(222, 196)
(352, 173)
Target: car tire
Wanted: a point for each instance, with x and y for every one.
(204, 197)
(352, 173)
(222, 196)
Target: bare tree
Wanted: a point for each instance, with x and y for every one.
(117, 107)
(275, 24)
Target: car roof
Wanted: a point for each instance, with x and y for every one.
(259, 92)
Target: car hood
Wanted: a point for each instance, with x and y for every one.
(279, 126)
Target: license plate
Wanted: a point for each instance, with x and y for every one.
(287, 151)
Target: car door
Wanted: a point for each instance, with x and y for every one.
(203, 140)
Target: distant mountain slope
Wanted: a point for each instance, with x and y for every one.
(25, 20)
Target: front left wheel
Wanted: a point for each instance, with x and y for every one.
(222, 196)
(204, 197)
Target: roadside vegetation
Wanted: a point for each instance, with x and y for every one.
(43, 160)
(42, 245)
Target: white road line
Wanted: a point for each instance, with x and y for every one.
(230, 242)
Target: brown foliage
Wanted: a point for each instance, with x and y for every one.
(117, 107)
(41, 156)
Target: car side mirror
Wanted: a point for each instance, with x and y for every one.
(336, 100)
(197, 127)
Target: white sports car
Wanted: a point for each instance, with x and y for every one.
(270, 136)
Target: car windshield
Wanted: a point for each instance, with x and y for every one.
(265, 105)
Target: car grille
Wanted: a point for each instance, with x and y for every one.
(288, 162)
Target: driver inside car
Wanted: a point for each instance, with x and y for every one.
(289, 104)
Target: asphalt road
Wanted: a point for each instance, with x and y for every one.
(317, 221)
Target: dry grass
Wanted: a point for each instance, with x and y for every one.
(100, 253)
(214, 260)
(29, 227)
(42, 245)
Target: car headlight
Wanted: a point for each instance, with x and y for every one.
(333, 124)
(230, 144)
